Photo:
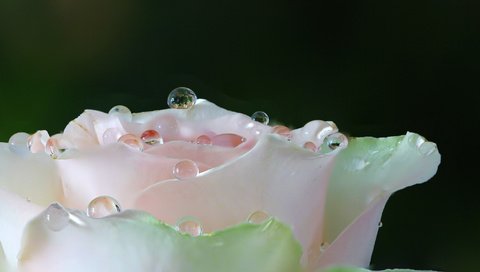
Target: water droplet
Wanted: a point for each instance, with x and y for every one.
(257, 217)
(203, 140)
(56, 217)
(380, 224)
(189, 225)
(18, 143)
(185, 169)
(151, 137)
(260, 117)
(122, 112)
(310, 146)
(281, 130)
(336, 140)
(228, 140)
(111, 136)
(427, 148)
(37, 141)
(131, 141)
(324, 246)
(181, 98)
(103, 206)
(56, 146)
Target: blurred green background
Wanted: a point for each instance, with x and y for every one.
(374, 67)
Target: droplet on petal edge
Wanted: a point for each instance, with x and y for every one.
(56, 217)
(18, 143)
(427, 148)
(56, 146)
(181, 98)
(185, 169)
(131, 141)
(310, 146)
(228, 140)
(261, 117)
(111, 135)
(281, 130)
(334, 141)
(37, 141)
(380, 224)
(121, 112)
(257, 217)
(103, 206)
(189, 225)
(324, 246)
(151, 137)
(203, 140)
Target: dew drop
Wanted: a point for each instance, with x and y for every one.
(181, 98)
(56, 217)
(257, 217)
(260, 117)
(335, 140)
(121, 112)
(18, 143)
(189, 225)
(427, 148)
(281, 130)
(56, 146)
(185, 169)
(380, 224)
(103, 206)
(131, 141)
(203, 140)
(324, 246)
(310, 146)
(228, 140)
(37, 141)
(151, 137)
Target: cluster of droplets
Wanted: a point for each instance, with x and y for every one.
(23, 144)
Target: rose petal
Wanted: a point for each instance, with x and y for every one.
(31, 176)
(358, 269)
(276, 176)
(135, 241)
(370, 168)
(15, 212)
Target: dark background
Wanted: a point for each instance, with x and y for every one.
(376, 68)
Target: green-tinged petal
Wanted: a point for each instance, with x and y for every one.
(136, 241)
(367, 170)
(358, 269)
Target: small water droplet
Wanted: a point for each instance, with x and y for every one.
(185, 169)
(18, 143)
(257, 217)
(427, 148)
(336, 140)
(189, 225)
(324, 246)
(37, 141)
(103, 206)
(131, 141)
(56, 217)
(151, 137)
(203, 140)
(260, 117)
(181, 98)
(380, 224)
(228, 140)
(281, 130)
(56, 146)
(121, 112)
(310, 146)
(111, 136)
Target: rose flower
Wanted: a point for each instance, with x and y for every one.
(198, 188)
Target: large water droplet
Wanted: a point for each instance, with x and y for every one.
(281, 130)
(427, 148)
(181, 98)
(228, 140)
(260, 117)
(189, 225)
(334, 141)
(185, 169)
(56, 217)
(257, 217)
(111, 136)
(18, 143)
(103, 206)
(122, 112)
(310, 146)
(131, 141)
(151, 137)
(203, 140)
(37, 141)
